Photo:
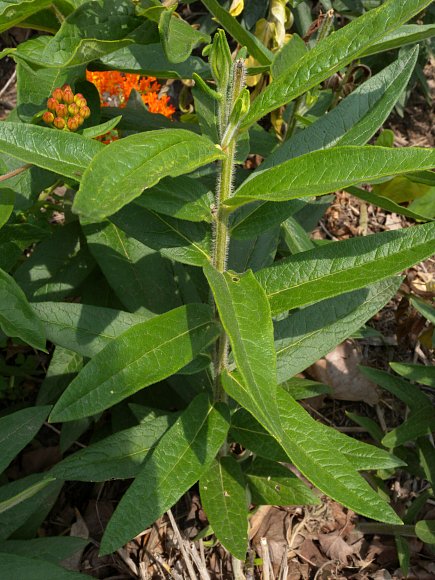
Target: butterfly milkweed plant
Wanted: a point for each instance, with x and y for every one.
(159, 176)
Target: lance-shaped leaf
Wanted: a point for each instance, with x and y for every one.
(356, 118)
(183, 241)
(407, 34)
(143, 355)
(419, 424)
(127, 263)
(64, 366)
(93, 30)
(223, 496)
(425, 375)
(245, 315)
(340, 167)
(63, 152)
(14, 11)
(340, 267)
(97, 130)
(126, 167)
(83, 328)
(304, 443)
(119, 456)
(150, 60)
(181, 457)
(17, 429)
(273, 484)
(331, 54)
(16, 315)
(31, 567)
(312, 332)
(53, 549)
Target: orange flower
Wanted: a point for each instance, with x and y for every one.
(115, 88)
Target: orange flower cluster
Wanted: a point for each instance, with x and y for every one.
(115, 88)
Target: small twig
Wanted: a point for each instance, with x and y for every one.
(237, 569)
(267, 566)
(53, 428)
(322, 567)
(181, 545)
(8, 83)
(327, 232)
(15, 172)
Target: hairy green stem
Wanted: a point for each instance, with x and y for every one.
(224, 191)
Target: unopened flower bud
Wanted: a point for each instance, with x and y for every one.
(66, 87)
(73, 124)
(79, 119)
(52, 104)
(61, 110)
(59, 123)
(220, 60)
(85, 112)
(73, 109)
(48, 117)
(80, 100)
(57, 94)
(68, 97)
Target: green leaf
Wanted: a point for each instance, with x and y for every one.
(183, 241)
(304, 389)
(178, 37)
(410, 394)
(332, 54)
(255, 253)
(253, 219)
(93, 30)
(63, 152)
(245, 316)
(425, 375)
(97, 130)
(424, 308)
(82, 328)
(27, 492)
(304, 443)
(407, 34)
(342, 167)
(356, 118)
(181, 197)
(183, 454)
(126, 264)
(150, 60)
(340, 267)
(14, 11)
(143, 355)
(425, 530)
(26, 567)
(273, 484)
(419, 423)
(64, 365)
(7, 199)
(295, 237)
(385, 203)
(17, 429)
(312, 332)
(120, 173)
(52, 549)
(16, 315)
(119, 456)
(223, 496)
(287, 55)
(243, 37)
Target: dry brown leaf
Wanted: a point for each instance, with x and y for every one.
(336, 548)
(339, 370)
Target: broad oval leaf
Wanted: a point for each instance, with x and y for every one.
(310, 333)
(340, 167)
(143, 355)
(118, 456)
(63, 152)
(16, 315)
(14, 11)
(126, 167)
(340, 267)
(183, 454)
(331, 54)
(17, 429)
(178, 37)
(425, 530)
(223, 496)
